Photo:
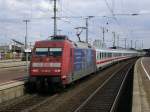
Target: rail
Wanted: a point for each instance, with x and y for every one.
(113, 108)
(105, 98)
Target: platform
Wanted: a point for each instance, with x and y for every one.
(12, 70)
(141, 87)
(5, 64)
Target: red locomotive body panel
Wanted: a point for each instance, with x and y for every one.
(52, 65)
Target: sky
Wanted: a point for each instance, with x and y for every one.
(113, 15)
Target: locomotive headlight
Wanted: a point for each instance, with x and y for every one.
(64, 77)
(57, 70)
(35, 70)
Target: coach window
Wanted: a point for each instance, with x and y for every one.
(99, 55)
(103, 55)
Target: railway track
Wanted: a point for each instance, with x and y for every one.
(105, 98)
(70, 100)
(27, 103)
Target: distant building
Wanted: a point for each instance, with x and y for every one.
(10, 48)
(4, 48)
(13, 50)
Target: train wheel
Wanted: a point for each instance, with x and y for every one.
(40, 85)
(30, 87)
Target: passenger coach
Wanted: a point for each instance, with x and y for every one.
(105, 57)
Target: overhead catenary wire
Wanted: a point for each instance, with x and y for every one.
(113, 14)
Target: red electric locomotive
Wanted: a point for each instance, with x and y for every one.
(60, 61)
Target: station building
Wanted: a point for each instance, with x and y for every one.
(11, 51)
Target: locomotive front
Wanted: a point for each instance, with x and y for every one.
(48, 62)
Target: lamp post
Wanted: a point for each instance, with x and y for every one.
(55, 19)
(114, 40)
(131, 44)
(136, 43)
(104, 30)
(87, 26)
(125, 44)
(26, 43)
(59, 31)
(114, 35)
(142, 44)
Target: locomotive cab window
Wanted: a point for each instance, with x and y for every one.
(41, 51)
(55, 51)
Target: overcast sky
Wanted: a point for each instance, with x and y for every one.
(136, 28)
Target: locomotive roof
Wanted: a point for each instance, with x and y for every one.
(63, 38)
(82, 45)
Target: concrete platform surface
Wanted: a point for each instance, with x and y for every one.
(11, 90)
(141, 87)
(12, 74)
(11, 64)
(11, 70)
(9, 60)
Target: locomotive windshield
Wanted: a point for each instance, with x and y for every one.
(48, 51)
(55, 51)
(41, 51)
